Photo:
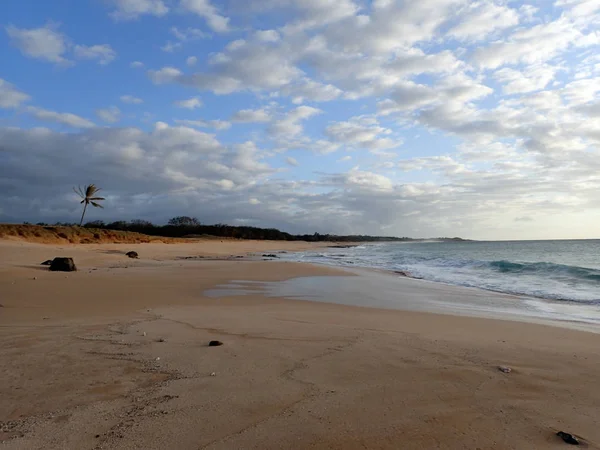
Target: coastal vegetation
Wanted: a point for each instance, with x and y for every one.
(191, 227)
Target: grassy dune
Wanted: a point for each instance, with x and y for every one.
(76, 235)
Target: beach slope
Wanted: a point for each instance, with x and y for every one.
(116, 356)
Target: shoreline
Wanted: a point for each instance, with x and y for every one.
(118, 358)
(406, 273)
(490, 305)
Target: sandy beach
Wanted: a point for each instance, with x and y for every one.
(116, 356)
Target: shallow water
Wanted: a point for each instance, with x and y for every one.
(382, 290)
(559, 270)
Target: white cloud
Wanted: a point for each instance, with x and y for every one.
(69, 119)
(206, 10)
(317, 13)
(251, 115)
(191, 61)
(243, 66)
(267, 36)
(362, 179)
(537, 44)
(345, 159)
(312, 90)
(190, 103)
(292, 161)
(290, 125)
(45, 43)
(390, 26)
(362, 132)
(218, 125)
(48, 44)
(109, 115)
(188, 34)
(103, 53)
(132, 9)
(579, 8)
(130, 99)
(164, 75)
(482, 18)
(170, 47)
(323, 146)
(10, 96)
(136, 64)
(532, 78)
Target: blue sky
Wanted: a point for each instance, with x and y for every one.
(442, 117)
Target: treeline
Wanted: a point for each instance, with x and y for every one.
(184, 226)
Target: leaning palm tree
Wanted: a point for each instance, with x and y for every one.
(88, 195)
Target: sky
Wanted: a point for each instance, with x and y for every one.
(478, 119)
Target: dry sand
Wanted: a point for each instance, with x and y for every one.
(115, 356)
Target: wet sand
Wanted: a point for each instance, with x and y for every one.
(115, 356)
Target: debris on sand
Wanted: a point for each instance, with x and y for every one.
(214, 343)
(504, 369)
(568, 438)
(132, 254)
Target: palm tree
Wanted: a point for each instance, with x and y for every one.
(88, 196)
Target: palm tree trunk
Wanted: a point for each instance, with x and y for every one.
(83, 214)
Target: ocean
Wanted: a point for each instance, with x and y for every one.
(561, 270)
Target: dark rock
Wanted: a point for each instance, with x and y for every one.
(214, 343)
(132, 254)
(63, 265)
(46, 263)
(270, 255)
(568, 438)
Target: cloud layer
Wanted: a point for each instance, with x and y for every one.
(442, 117)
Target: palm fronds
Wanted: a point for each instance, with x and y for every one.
(88, 195)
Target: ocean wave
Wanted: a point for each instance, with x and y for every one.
(546, 269)
(474, 266)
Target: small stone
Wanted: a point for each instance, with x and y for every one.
(158, 358)
(568, 438)
(213, 374)
(144, 333)
(132, 254)
(35, 278)
(97, 436)
(161, 340)
(214, 343)
(504, 369)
